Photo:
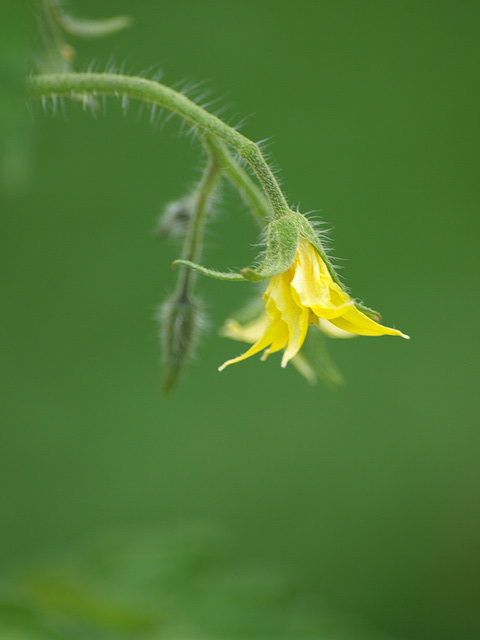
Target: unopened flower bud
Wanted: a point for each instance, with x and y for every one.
(175, 218)
(181, 318)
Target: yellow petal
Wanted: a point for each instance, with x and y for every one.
(314, 284)
(317, 290)
(271, 336)
(250, 332)
(281, 339)
(279, 296)
(332, 331)
(357, 322)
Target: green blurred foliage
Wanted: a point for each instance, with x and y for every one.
(15, 123)
(175, 583)
(369, 493)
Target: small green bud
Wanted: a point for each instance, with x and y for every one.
(182, 318)
(175, 219)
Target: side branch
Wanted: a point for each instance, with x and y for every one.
(77, 84)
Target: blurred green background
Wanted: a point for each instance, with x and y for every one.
(368, 495)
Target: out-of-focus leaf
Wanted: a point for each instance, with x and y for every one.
(19, 621)
(166, 584)
(75, 601)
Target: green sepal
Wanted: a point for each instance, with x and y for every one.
(212, 273)
(371, 313)
(282, 241)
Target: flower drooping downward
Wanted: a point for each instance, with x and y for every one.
(305, 294)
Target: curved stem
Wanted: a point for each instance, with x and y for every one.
(75, 84)
(254, 196)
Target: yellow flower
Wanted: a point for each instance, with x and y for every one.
(303, 295)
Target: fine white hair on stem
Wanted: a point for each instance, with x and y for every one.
(63, 109)
(153, 110)
(92, 66)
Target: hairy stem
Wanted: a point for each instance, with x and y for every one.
(254, 196)
(77, 84)
(194, 240)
